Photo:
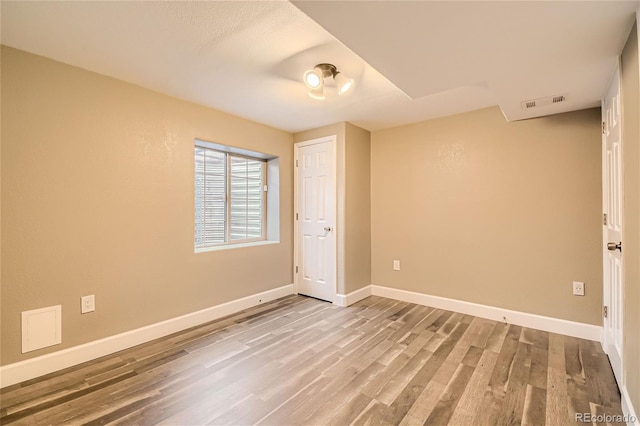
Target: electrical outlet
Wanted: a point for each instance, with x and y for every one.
(578, 288)
(396, 265)
(87, 304)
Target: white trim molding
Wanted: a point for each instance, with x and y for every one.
(353, 297)
(337, 230)
(538, 322)
(45, 364)
(627, 408)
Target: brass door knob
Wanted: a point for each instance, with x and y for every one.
(614, 246)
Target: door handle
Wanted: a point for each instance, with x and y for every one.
(327, 229)
(614, 246)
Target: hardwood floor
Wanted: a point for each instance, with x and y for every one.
(299, 361)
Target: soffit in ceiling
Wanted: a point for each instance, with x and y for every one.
(518, 50)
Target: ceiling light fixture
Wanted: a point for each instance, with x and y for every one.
(317, 93)
(314, 79)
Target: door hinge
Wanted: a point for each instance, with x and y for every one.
(296, 163)
(296, 269)
(296, 216)
(604, 126)
(605, 311)
(266, 188)
(604, 220)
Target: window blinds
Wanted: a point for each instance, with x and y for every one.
(246, 190)
(229, 198)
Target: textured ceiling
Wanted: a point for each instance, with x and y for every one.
(423, 59)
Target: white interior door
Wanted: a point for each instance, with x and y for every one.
(612, 229)
(315, 218)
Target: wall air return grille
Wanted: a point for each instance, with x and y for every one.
(541, 102)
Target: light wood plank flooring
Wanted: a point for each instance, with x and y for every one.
(300, 361)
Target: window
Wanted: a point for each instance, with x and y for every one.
(230, 196)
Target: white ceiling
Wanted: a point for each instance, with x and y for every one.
(423, 59)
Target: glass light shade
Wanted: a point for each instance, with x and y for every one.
(344, 83)
(313, 78)
(317, 93)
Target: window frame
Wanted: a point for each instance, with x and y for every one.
(229, 153)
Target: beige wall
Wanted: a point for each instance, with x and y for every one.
(97, 198)
(496, 213)
(358, 208)
(630, 85)
(337, 129)
(353, 202)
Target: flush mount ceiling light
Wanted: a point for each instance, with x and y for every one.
(314, 79)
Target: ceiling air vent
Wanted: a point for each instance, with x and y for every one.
(540, 102)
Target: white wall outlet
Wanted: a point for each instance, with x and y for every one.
(578, 288)
(396, 265)
(87, 304)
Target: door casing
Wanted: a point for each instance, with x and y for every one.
(614, 308)
(296, 198)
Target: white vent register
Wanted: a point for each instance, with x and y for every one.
(41, 328)
(540, 102)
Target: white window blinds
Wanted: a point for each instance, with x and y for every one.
(229, 198)
(246, 190)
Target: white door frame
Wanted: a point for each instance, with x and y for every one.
(606, 285)
(336, 229)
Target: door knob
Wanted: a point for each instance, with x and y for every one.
(327, 229)
(614, 246)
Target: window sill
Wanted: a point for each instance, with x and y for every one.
(233, 246)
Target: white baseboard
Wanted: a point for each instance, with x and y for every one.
(45, 364)
(554, 325)
(353, 297)
(627, 408)
(34, 367)
(340, 300)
